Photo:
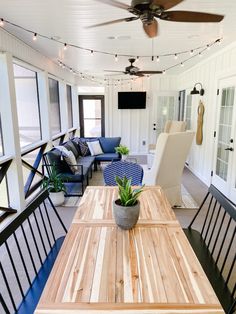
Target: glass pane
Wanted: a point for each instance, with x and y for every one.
(3, 193)
(225, 125)
(165, 111)
(92, 128)
(27, 105)
(54, 106)
(1, 140)
(92, 108)
(69, 106)
(188, 112)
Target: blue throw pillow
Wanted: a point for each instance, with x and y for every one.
(108, 144)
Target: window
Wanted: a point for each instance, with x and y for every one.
(54, 106)
(27, 102)
(69, 106)
(165, 111)
(188, 112)
(91, 110)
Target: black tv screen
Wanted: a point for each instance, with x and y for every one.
(131, 100)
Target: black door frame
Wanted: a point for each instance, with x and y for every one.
(81, 112)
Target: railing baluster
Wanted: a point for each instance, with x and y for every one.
(208, 210)
(40, 234)
(35, 242)
(231, 269)
(30, 253)
(4, 305)
(59, 218)
(49, 221)
(22, 258)
(8, 287)
(45, 228)
(14, 270)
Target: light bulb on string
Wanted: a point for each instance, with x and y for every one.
(191, 52)
(116, 58)
(208, 47)
(175, 56)
(91, 52)
(219, 41)
(200, 54)
(1, 22)
(182, 64)
(137, 59)
(71, 70)
(35, 37)
(158, 59)
(164, 72)
(152, 58)
(65, 46)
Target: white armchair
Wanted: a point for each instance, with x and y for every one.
(169, 159)
(173, 126)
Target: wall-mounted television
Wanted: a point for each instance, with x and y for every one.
(131, 100)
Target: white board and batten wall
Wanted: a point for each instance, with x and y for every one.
(135, 126)
(209, 73)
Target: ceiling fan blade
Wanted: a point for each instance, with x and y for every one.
(150, 72)
(127, 19)
(138, 74)
(115, 3)
(166, 4)
(188, 16)
(151, 29)
(113, 71)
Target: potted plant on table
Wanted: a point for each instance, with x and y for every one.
(55, 186)
(126, 208)
(123, 150)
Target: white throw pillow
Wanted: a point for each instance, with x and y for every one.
(64, 151)
(95, 148)
(71, 161)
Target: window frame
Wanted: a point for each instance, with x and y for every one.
(61, 132)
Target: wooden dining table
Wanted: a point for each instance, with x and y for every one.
(148, 269)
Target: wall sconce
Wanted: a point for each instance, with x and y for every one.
(196, 91)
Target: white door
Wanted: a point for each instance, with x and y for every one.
(165, 108)
(224, 174)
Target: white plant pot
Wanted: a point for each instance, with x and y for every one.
(57, 198)
(123, 157)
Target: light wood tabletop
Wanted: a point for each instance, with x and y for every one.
(149, 269)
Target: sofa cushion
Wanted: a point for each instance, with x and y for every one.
(55, 158)
(71, 146)
(83, 146)
(108, 157)
(108, 144)
(95, 148)
(86, 161)
(71, 161)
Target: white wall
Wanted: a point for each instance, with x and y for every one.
(208, 72)
(135, 126)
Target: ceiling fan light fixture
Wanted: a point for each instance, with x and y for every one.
(195, 91)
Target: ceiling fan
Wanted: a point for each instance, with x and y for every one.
(133, 70)
(148, 10)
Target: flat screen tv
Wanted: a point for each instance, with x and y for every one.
(131, 100)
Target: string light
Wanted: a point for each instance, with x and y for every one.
(35, 37)
(71, 70)
(91, 52)
(164, 72)
(191, 52)
(3, 22)
(137, 59)
(116, 58)
(182, 64)
(176, 56)
(200, 54)
(208, 47)
(158, 59)
(65, 46)
(152, 58)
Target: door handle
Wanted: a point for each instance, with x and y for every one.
(230, 148)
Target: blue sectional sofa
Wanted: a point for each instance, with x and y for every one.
(84, 160)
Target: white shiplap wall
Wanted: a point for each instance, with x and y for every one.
(208, 72)
(135, 126)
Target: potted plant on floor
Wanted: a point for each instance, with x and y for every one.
(126, 208)
(55, 186)
(123, 150)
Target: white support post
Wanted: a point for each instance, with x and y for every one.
(75, 108)
(63, 106)
(44, 103)
(10, 132)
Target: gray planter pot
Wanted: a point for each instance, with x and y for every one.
(126, 217)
